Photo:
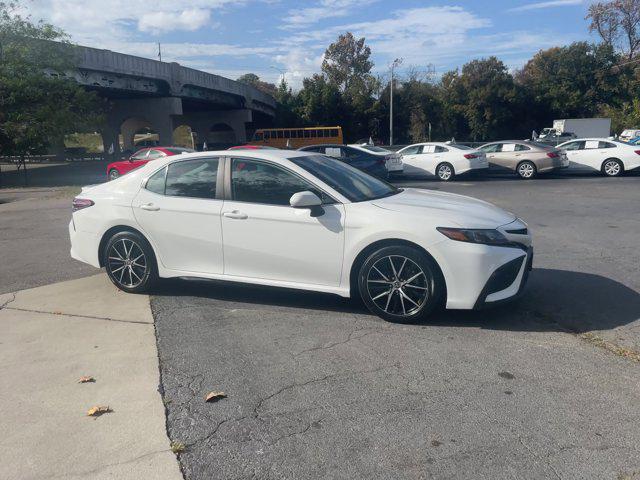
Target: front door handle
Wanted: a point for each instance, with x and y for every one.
(150, 207)
(236, 215)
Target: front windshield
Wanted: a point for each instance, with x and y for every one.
(354, 184)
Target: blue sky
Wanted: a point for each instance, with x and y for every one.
(232, 37)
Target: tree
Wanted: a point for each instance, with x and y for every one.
(320, 102)
(39, 103)
(286, 106)
(347, 67)
(618, 24)
(254, 80)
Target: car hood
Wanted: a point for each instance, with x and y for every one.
(451, 208)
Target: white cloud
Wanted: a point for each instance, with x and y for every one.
(161, 22)
(303, 17)
(548, 4)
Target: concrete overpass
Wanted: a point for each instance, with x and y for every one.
(162, 96)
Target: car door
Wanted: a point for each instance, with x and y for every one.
(411, 160)
(266, 238)
(574, 151)
(179, 210)
(493, 152)
(591, 156)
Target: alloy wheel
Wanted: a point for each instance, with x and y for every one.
(113, 174)
(397, 285)
(612, 168)
(127, 263)
(526, 170)
(444, 172)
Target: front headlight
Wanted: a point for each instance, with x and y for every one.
(475, 235)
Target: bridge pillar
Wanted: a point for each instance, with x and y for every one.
(208, 125)
(110, 138)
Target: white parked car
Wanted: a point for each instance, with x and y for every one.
(304, 221)
(629, 134)
(443, 160)
(393, 161)
(610, 157)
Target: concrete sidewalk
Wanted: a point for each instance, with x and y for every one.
(55, 334)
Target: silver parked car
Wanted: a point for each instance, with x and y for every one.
(525, 158)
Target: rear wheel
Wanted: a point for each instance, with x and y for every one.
(445, 172)
(526, 170)
(130, 263)
(113, 174)
(612, 167)
(400, 284)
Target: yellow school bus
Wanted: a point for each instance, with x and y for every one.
(296, 137)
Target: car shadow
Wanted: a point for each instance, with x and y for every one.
(61, 174)
(554, 300)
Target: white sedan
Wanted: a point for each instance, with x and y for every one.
(610, 157)
(302, 221)
(443, 160)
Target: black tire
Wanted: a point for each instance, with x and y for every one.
(386, 297)
(113, 174)
(526, 170)
(612, 167)
(130, 263)
(445, 172)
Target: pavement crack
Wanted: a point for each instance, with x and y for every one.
(73, 315)
(537, 457)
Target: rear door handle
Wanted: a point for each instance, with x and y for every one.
(150, 207)
(236, 215)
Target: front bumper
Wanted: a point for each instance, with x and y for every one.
(507, 282)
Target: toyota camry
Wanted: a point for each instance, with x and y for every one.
(304, 221)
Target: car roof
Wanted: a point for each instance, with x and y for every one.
(325, 145)
(276, 156)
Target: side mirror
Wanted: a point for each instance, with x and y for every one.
(308, 200)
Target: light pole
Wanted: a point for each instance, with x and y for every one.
(282, 72)
(395, 63)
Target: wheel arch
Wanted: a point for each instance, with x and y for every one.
(119, 229)
(612, 158)
(446, 162)
(388, 242)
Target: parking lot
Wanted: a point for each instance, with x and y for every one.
(546, 387)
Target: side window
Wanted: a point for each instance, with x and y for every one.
(521, 148)
(411, 150)
(258, 182)
(591, 144)
(140, 155)
(267, 135)
(573, 146)
(350, 153)
(606, 145)
(155, 183)
(192, 178)
(440, 149)
(428, 149)
(153, 154)
(492, 148)
(508, 147)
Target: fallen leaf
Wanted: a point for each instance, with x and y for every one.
(214, 396)
(98, 410)
(86, 379)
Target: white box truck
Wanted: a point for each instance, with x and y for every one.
(568, 128)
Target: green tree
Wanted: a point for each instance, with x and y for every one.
(254, 80)
(39, 102)
(287, 106)
(320, 102)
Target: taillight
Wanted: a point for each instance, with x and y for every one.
(552, 154)
(637, 152)
(470, 156)
(80, 203)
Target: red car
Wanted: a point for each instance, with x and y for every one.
(142, 156)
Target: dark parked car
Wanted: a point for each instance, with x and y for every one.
(356, 157)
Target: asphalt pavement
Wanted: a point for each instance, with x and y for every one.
(318, 388)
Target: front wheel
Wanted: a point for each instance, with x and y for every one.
(130, 262)
(526, 170)
(445, 172)
(113, 174)
(400, 284)
(612, 167)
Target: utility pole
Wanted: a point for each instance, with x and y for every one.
(395, 64)
(159, 52)
(282, 72)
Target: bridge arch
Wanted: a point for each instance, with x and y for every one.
(221, 135)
